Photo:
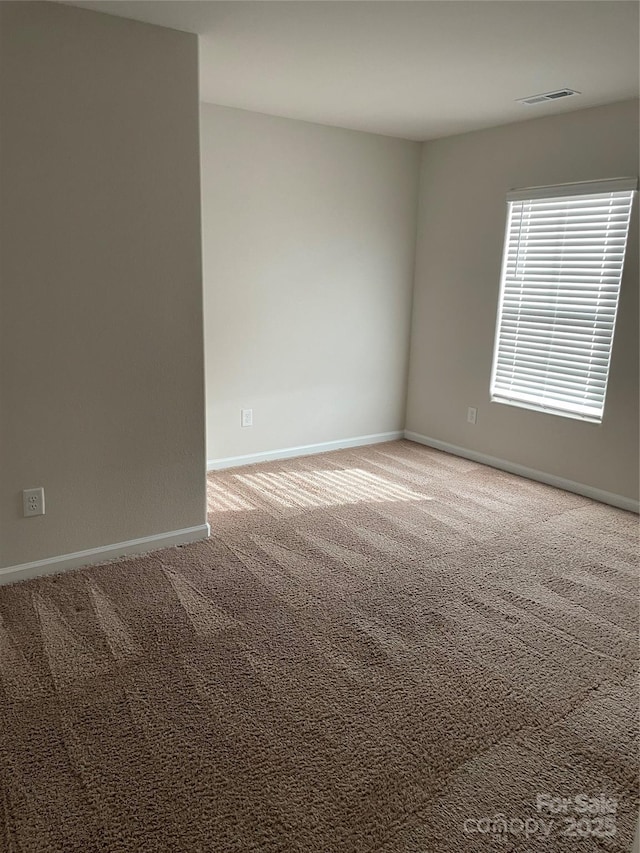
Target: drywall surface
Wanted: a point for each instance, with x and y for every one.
(101, 353)
(308, 241)
(464, 183)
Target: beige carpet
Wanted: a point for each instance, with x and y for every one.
(378, 650)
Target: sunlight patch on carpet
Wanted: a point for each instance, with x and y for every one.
(312, 489)
(221, 499)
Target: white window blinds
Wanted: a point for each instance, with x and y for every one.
(562, 267)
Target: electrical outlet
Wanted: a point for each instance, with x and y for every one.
(33, 502)
(246, 417)
(472, 415)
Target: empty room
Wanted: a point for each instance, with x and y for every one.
(319, 426)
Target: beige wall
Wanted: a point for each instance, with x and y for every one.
(460, 236)
(309, 237)
(101, 340)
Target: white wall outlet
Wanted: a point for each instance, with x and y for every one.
(33, 502)
(472, 415)
(246, 417)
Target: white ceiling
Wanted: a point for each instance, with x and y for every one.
(418, 69)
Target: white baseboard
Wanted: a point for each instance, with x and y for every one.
(304, 450)
(105, 554)
(530, 473)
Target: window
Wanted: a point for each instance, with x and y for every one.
(561, 272)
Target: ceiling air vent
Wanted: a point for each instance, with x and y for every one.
(547, 96)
